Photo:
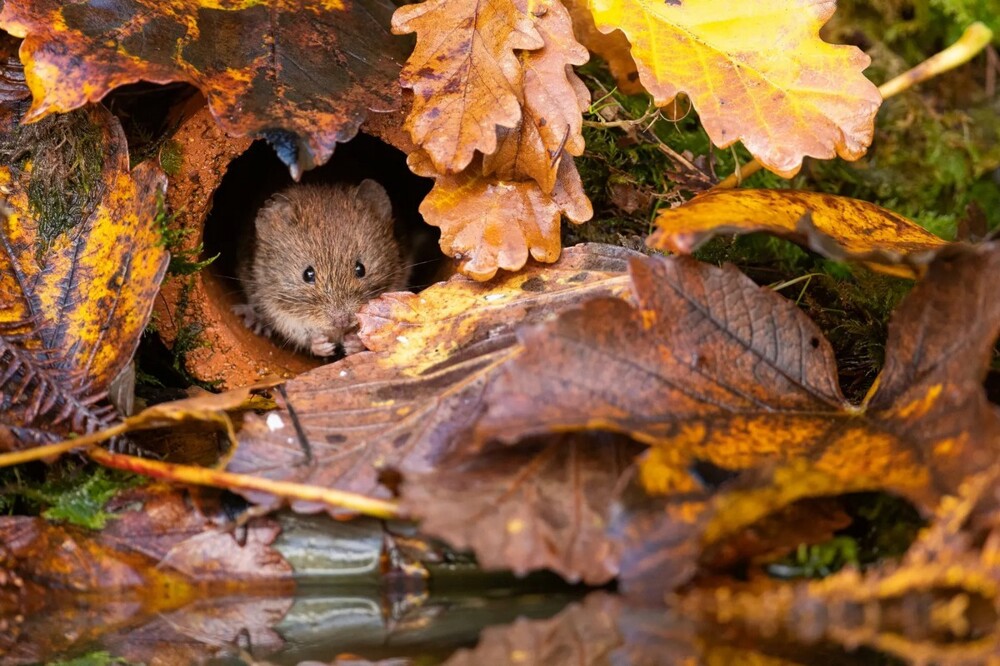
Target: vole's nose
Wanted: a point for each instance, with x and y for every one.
(340, 319)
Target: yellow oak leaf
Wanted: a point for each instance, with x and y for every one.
(756, 71)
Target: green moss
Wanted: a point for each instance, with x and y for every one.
(66, 155)
(93, 659)
(70, 493)
(171, 157)
(882, 527)
(182, 261)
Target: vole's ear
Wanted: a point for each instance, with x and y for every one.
(276, 210)
(373, 194)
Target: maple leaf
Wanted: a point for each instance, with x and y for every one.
(74, 301)
(755, 71)
(406, 404)
(836, 227)
(489, 225)
(302, 75)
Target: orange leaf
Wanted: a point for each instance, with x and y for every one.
(756, 71)
(75, 301)
(302, 75)
(836, 227)
(613, 47)
(554, 101)
(465, 76)
(490, 225)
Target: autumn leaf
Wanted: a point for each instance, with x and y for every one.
(755, 71)
(499, 82)
(405, 405)
(77, 279)
(836, 227)
(302, 75)
(709, 366)
(464, 73)
(542, 506)
(613, 47)
(489, 225)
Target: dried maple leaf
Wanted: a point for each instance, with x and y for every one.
(836, 227)
(709, 366)
(73, 302)
(406, 404)
(755, 71)
(302, 75)
(542, 506)
(489, 224)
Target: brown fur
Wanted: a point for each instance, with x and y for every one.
(328, 227)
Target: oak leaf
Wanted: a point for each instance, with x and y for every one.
(465, 74)
(407, 404)
(755, 71)
(554, 101)
(77, 284)
(302, 75)
(613, 47)
(836, 227)
(489, 225)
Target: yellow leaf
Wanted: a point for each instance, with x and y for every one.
(756, 71)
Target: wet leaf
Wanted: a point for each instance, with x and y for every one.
(465, 75)
(709, 366)
(405, 405)
(836, 227)
(489, 224)
(74, 299)
(544, 506)
(302, 75)
(755, 71)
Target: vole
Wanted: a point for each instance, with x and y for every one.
(316, 254)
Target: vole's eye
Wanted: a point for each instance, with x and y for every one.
(359, 269)
(309, 275)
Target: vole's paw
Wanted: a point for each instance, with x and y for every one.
(251, 319)
(352, 344)
(323, 346)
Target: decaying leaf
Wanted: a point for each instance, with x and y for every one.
(404, 405)
(489, 224)
(755, 71)
(77, 280)
(302, 75)
(709, 366)
(536, 507)
(836, 227)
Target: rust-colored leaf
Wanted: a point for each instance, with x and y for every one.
(836, 227)
(554, 101)
(489, 224)
(543, 506)
(755, 71)
(709, 366)
(465, 75)
(302, 75)
(80, 263)
(406, 404)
